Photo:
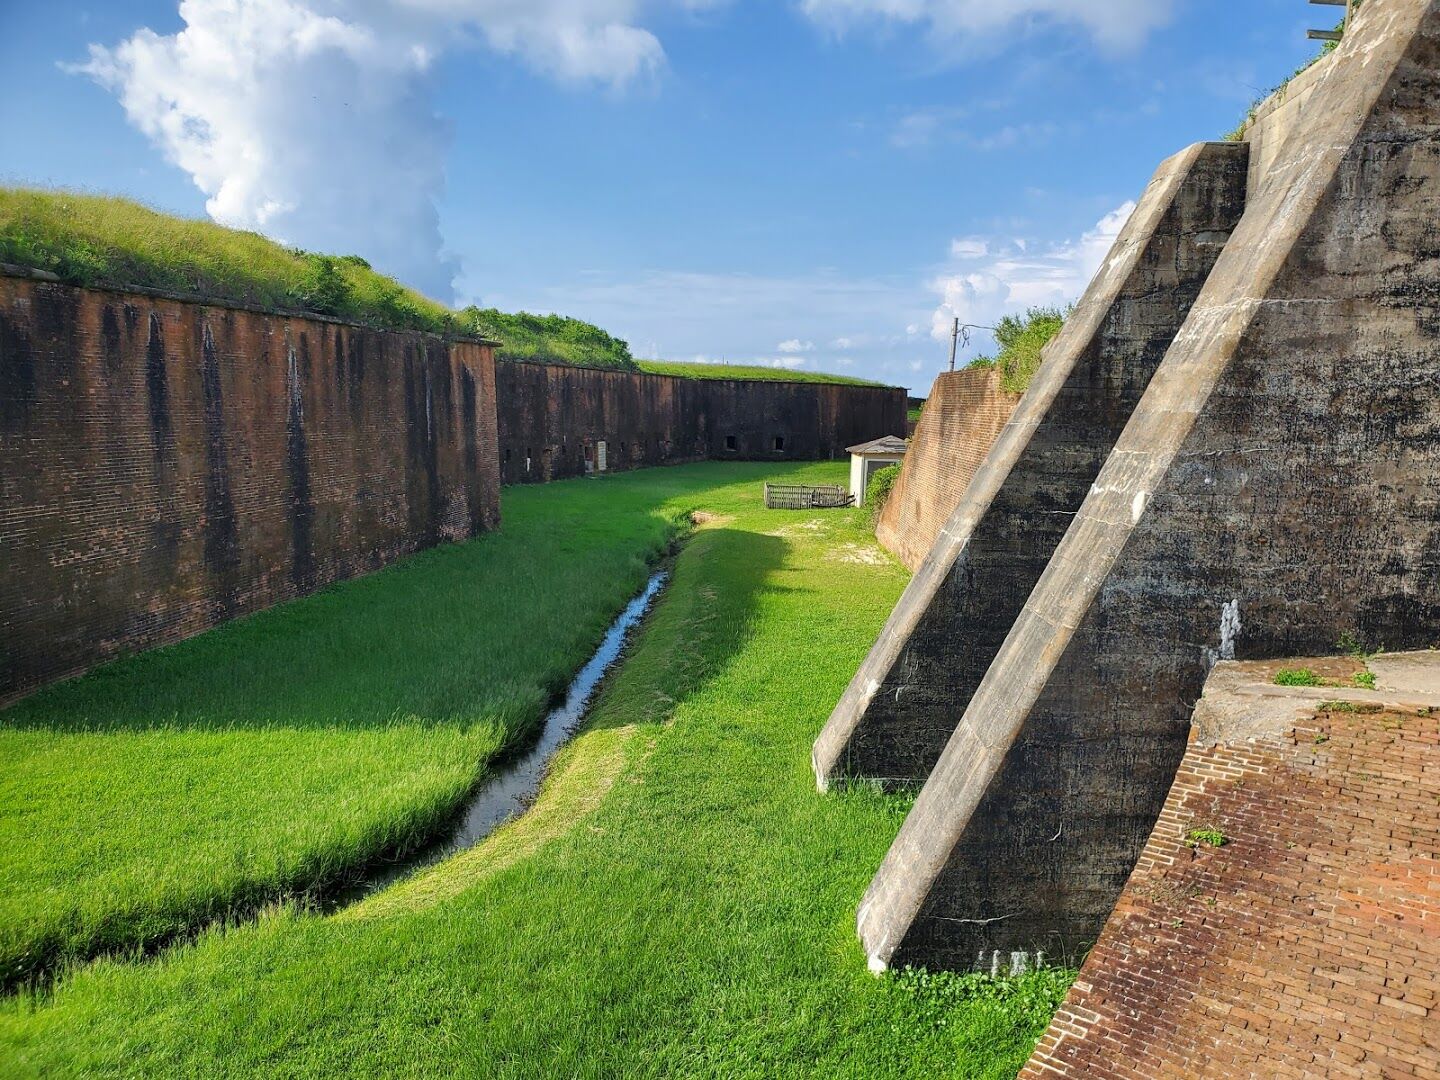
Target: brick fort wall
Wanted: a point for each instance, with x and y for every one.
(1308, 943)
(167, 465)
(963, 415)
(552, 418)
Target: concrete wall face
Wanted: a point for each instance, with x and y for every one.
(965, 412)
(1278, 485)
(166, 466)
(555, 415)
(905, 701)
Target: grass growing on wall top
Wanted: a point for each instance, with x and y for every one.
(1021, 339)
(746, 371)
(679, 902)
(99, 240)
(1326, 48)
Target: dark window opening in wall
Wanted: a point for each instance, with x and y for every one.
(730, 442)
(780, 444)
(507, 455)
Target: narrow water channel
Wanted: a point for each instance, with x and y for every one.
(515, 778)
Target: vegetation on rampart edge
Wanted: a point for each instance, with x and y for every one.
(108, 241)
(1020, 339)
(678, 902)
(1326, 48)
(747, 372)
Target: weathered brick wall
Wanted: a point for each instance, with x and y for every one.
(1307, 945)
(166, 465)
(964, 413)
(553, 416)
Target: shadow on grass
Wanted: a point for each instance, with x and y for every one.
(701, 622)
(483, 631)
(688, 637)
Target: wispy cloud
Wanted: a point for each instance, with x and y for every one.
(822, 320)
(891, 328)
(920, 128)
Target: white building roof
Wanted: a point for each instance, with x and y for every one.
(889, 446)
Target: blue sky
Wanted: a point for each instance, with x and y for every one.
(817, 183)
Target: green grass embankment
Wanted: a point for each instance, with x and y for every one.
(748, 372)
(679, 902)
(277, 752)
(107, 241)
(99, 240)
(1020, 339)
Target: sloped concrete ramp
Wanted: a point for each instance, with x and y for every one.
(908, 696)
(1277, 485)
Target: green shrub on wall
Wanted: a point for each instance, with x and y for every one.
(553, 338)
(877, 491)
(1021, 337)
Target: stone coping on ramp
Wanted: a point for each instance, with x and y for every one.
(904, 702)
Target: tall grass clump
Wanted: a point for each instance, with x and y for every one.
(1020, 339)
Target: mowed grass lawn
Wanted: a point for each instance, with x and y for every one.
(679, 902)
(278, 752)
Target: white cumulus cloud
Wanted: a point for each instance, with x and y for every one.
(1005, 277)
(795, 345)
(312, 120)
(1113, 24)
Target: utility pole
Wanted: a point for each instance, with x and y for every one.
(960, 333)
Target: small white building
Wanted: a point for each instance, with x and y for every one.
(868, 458)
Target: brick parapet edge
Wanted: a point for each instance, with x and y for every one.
(1307, 944)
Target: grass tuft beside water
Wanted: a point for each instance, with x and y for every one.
(679, 902)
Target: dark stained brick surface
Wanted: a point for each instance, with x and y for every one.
(965, 411)
(553, 417)
(165, 465)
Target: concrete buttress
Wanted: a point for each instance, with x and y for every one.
(1277, 486)
(909, 694)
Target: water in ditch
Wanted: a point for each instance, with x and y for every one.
(515, 778)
